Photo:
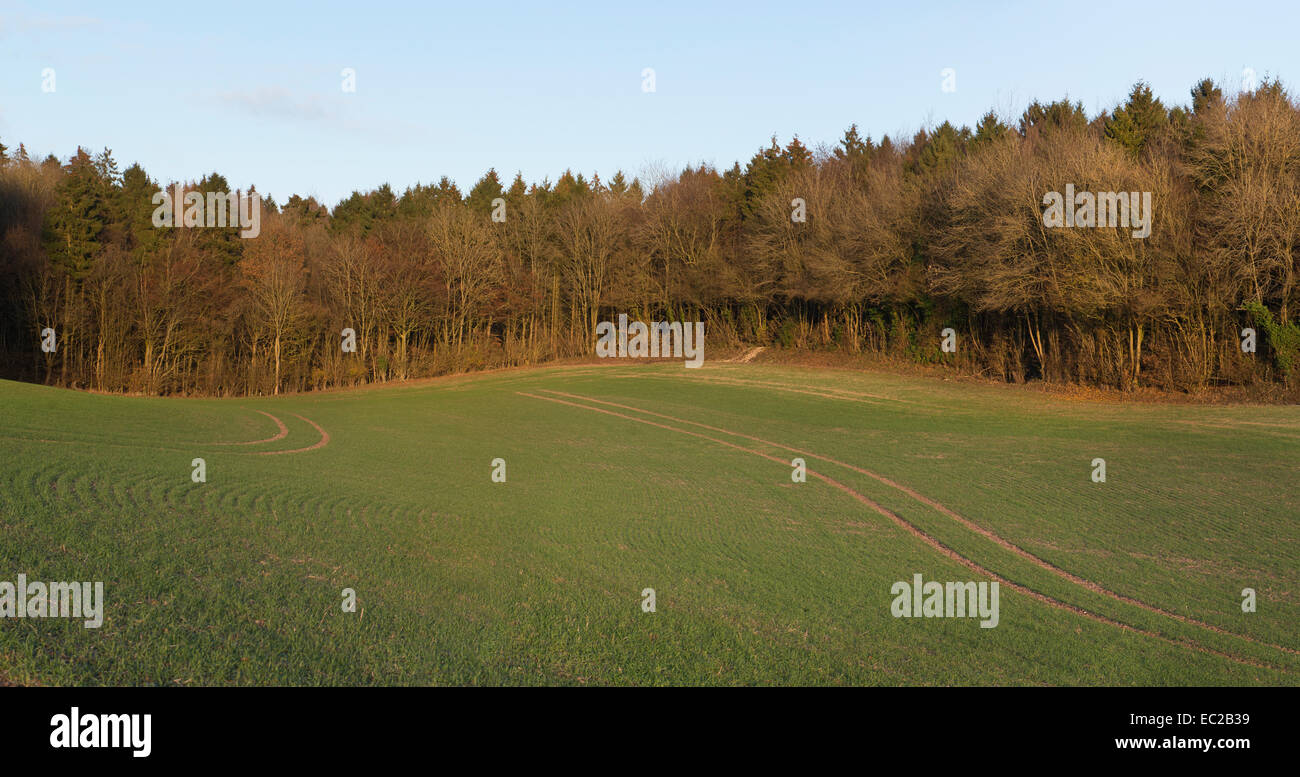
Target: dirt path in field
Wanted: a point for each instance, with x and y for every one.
(324, 439)
(918, 532)
(749, 355)
(966, 522)
(283, 433)
(1282, 430)
(730, 380)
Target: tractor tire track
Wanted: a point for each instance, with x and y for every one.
(874, 400)
(283, 433)
(324, 440)
(963, 521)
(844, 394)
(914, 531)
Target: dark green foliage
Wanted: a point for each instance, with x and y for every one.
(1061, 114)
(1137, 122)
(1283, 339)
(484, 192)
(75, 225)
(934, 152)
(989, 129)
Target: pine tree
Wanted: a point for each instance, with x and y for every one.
(484, 192)
(518, 189)
(937, 150)
(852, 146)
(308, 211)
(1136, 123)
(766, 170)
(138, 207)
(383, 203)
(76, 222)
(106, 166)
(223, 242)
(618, 184)
(797, 154)
(446, 192)
(856, 153)
(1061, 114)
(988, 130)
(1207, 97)
(569, 188)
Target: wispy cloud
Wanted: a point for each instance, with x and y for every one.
(321, 110)
(20, 23)
(279, 103)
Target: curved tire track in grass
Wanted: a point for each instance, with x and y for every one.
(917, 531)
(729, 380)
(324, 439)
(967, 523)
(283, 433)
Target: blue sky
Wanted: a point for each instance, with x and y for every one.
(253, 90)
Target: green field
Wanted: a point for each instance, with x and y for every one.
(626, 477)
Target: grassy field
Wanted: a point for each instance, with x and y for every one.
(626, 477)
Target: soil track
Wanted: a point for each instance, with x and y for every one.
(283, 433)
(729, 380)
(966, 522)
(928, 539)
(324, 439)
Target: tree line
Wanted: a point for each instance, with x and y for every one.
(868, 246)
